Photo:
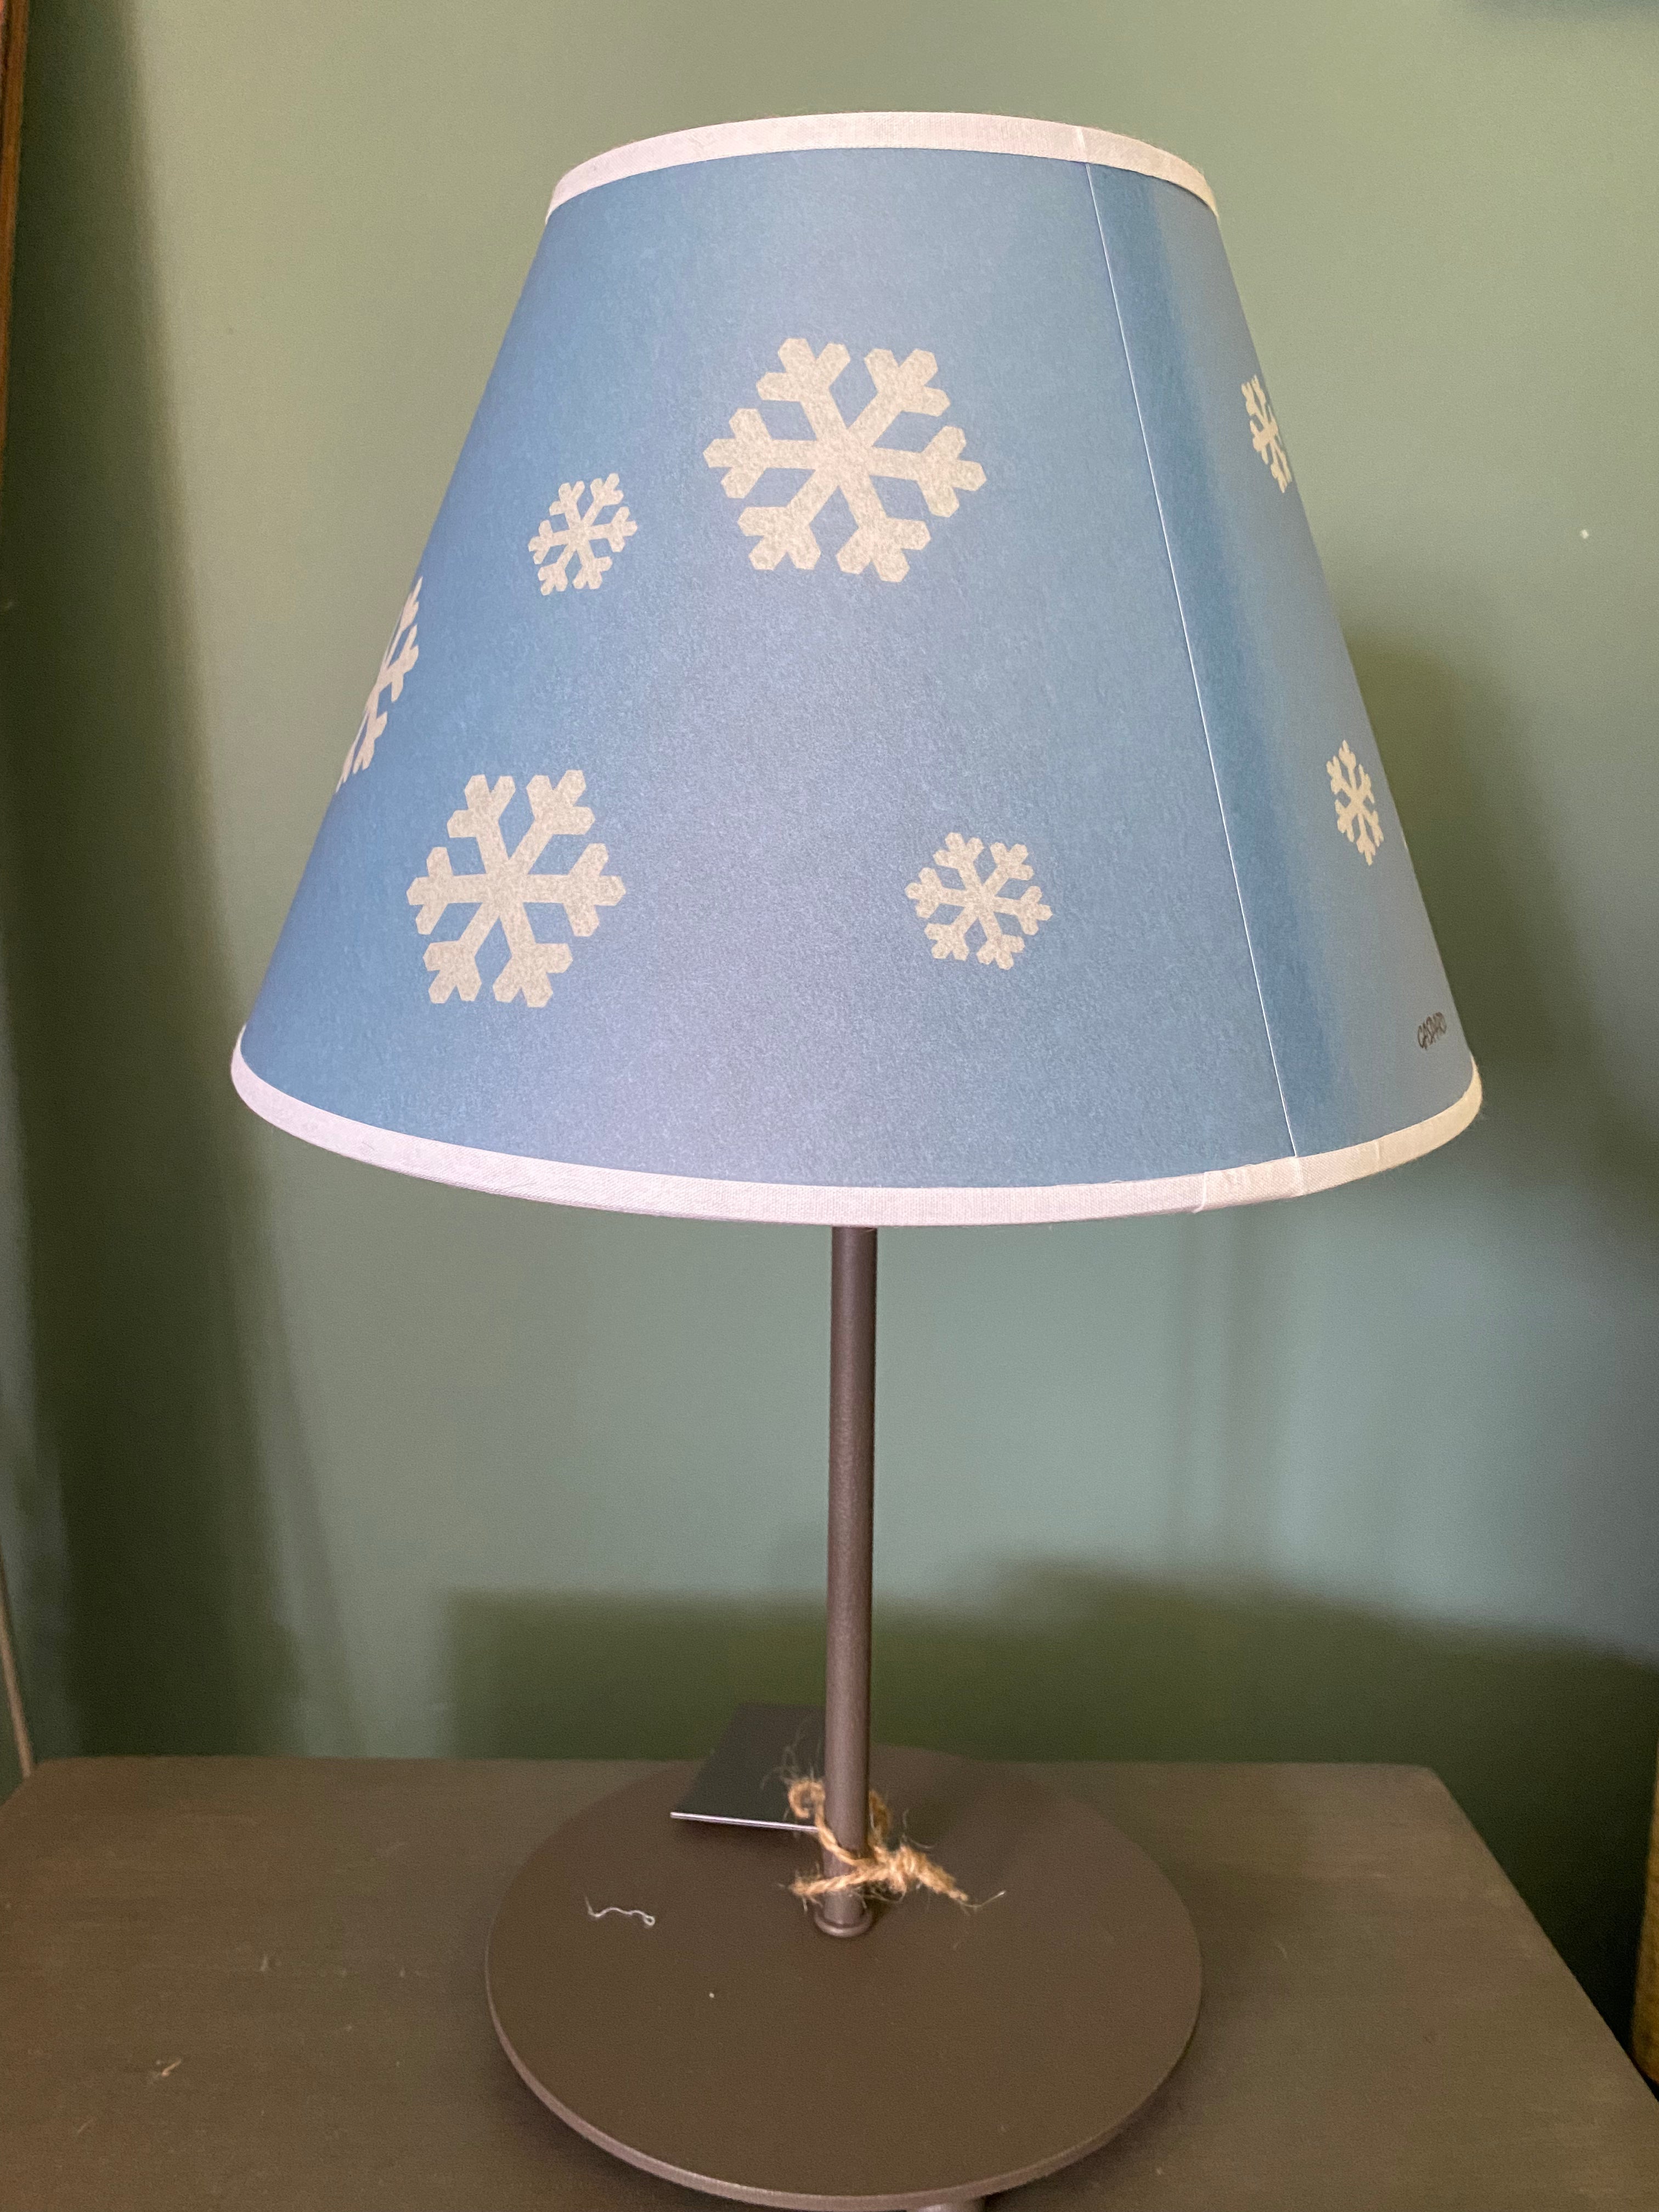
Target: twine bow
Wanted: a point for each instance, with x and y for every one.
(895, 1869)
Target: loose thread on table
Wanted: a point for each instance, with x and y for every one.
(894, 1868)
(622, 1911)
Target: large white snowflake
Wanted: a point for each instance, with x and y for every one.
(400, 657)
(1357, 817)
(1264, 432)
(582, 532)
(507, 889)
(844, 457)
(981, 901)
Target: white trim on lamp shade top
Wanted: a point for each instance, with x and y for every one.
(938, 134)
(624, 1190)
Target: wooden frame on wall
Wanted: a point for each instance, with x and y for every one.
(13, 32)
(1644, 2022)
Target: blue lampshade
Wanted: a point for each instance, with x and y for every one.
(868, 739)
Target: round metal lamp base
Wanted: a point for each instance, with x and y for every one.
(656, 1984)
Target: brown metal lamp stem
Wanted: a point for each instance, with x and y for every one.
(851, 1538)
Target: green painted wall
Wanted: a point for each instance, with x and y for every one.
(300, 1454)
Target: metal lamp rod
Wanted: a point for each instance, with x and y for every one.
(852, 1536)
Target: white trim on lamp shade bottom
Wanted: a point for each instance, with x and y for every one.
(938, 134)
(624, 1190)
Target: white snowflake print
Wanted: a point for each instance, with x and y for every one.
(506, 889)
(1357, 817)
(581, 534)
(400, 657)
(981, 900)
(1264, 432)
(844, 457)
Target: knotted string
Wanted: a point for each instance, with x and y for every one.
(895, 1869)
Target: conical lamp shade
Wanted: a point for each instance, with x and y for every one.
(868, 740)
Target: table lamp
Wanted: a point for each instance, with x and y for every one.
(868, 743)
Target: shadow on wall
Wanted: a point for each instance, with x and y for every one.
(155, 1374)
(1546, 1747)
(1458, 778)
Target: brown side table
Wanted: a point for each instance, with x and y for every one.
(258, 1983)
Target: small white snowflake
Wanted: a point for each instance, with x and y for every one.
(844, 457)
(981, 900)
(1264, 432)
(581, 533)
(400, 657)
(506, 889)
(1357, 817)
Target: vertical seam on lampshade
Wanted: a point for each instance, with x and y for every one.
(1192, 664)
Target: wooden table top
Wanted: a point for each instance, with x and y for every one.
(258, 1983)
